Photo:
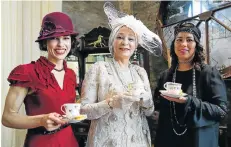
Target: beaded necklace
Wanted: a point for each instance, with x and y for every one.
(127, 86)
(172, 104)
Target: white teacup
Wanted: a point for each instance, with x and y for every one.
(173, 88)
(137, 89)
(71, 110)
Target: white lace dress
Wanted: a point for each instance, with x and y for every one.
(115, 127)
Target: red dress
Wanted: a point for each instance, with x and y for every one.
(47, 97)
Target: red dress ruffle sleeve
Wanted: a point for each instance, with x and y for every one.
(19, 77)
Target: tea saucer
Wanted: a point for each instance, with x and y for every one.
(77, 119)
(165, 92)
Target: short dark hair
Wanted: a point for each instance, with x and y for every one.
(74, 43)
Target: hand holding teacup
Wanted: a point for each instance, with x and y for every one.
(141, 95)
(120, 100)
(179, 100)
(51, 121)
(136, 90)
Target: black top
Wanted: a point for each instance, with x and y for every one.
(201, 114)
(185, 78)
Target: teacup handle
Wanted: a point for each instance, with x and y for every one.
(165, 85)
(62, 109)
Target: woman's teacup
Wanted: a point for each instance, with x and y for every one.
(173, 88)
(137, 89)
(71, 110)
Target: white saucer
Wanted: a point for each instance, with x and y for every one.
(164, 92)
(77, 120)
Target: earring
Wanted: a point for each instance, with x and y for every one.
(135, 59)
(135, 55)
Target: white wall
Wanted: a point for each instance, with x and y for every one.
(20, 26)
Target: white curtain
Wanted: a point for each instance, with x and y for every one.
(20, 26)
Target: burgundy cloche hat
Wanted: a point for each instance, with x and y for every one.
(56, 24)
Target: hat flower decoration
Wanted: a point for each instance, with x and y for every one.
(56, 24)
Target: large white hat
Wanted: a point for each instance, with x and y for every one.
(146, 38)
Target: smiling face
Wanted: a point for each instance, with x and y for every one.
(184, 46)
(58, 48)
(124, 43)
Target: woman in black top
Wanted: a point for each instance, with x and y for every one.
(193, 120)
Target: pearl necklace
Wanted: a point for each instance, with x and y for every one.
(172, 104)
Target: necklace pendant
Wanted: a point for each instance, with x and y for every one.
(130, 87)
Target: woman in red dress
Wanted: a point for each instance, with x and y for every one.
(44, 86)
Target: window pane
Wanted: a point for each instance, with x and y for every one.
(176, 11)
(220, 39)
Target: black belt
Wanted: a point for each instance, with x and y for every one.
(43, 131)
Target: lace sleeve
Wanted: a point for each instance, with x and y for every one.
(89, 95)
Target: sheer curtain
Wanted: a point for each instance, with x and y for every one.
(20, 25)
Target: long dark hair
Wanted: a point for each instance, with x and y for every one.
(199, 57)
(74, 43)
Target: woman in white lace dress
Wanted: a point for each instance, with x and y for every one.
(116, 96)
